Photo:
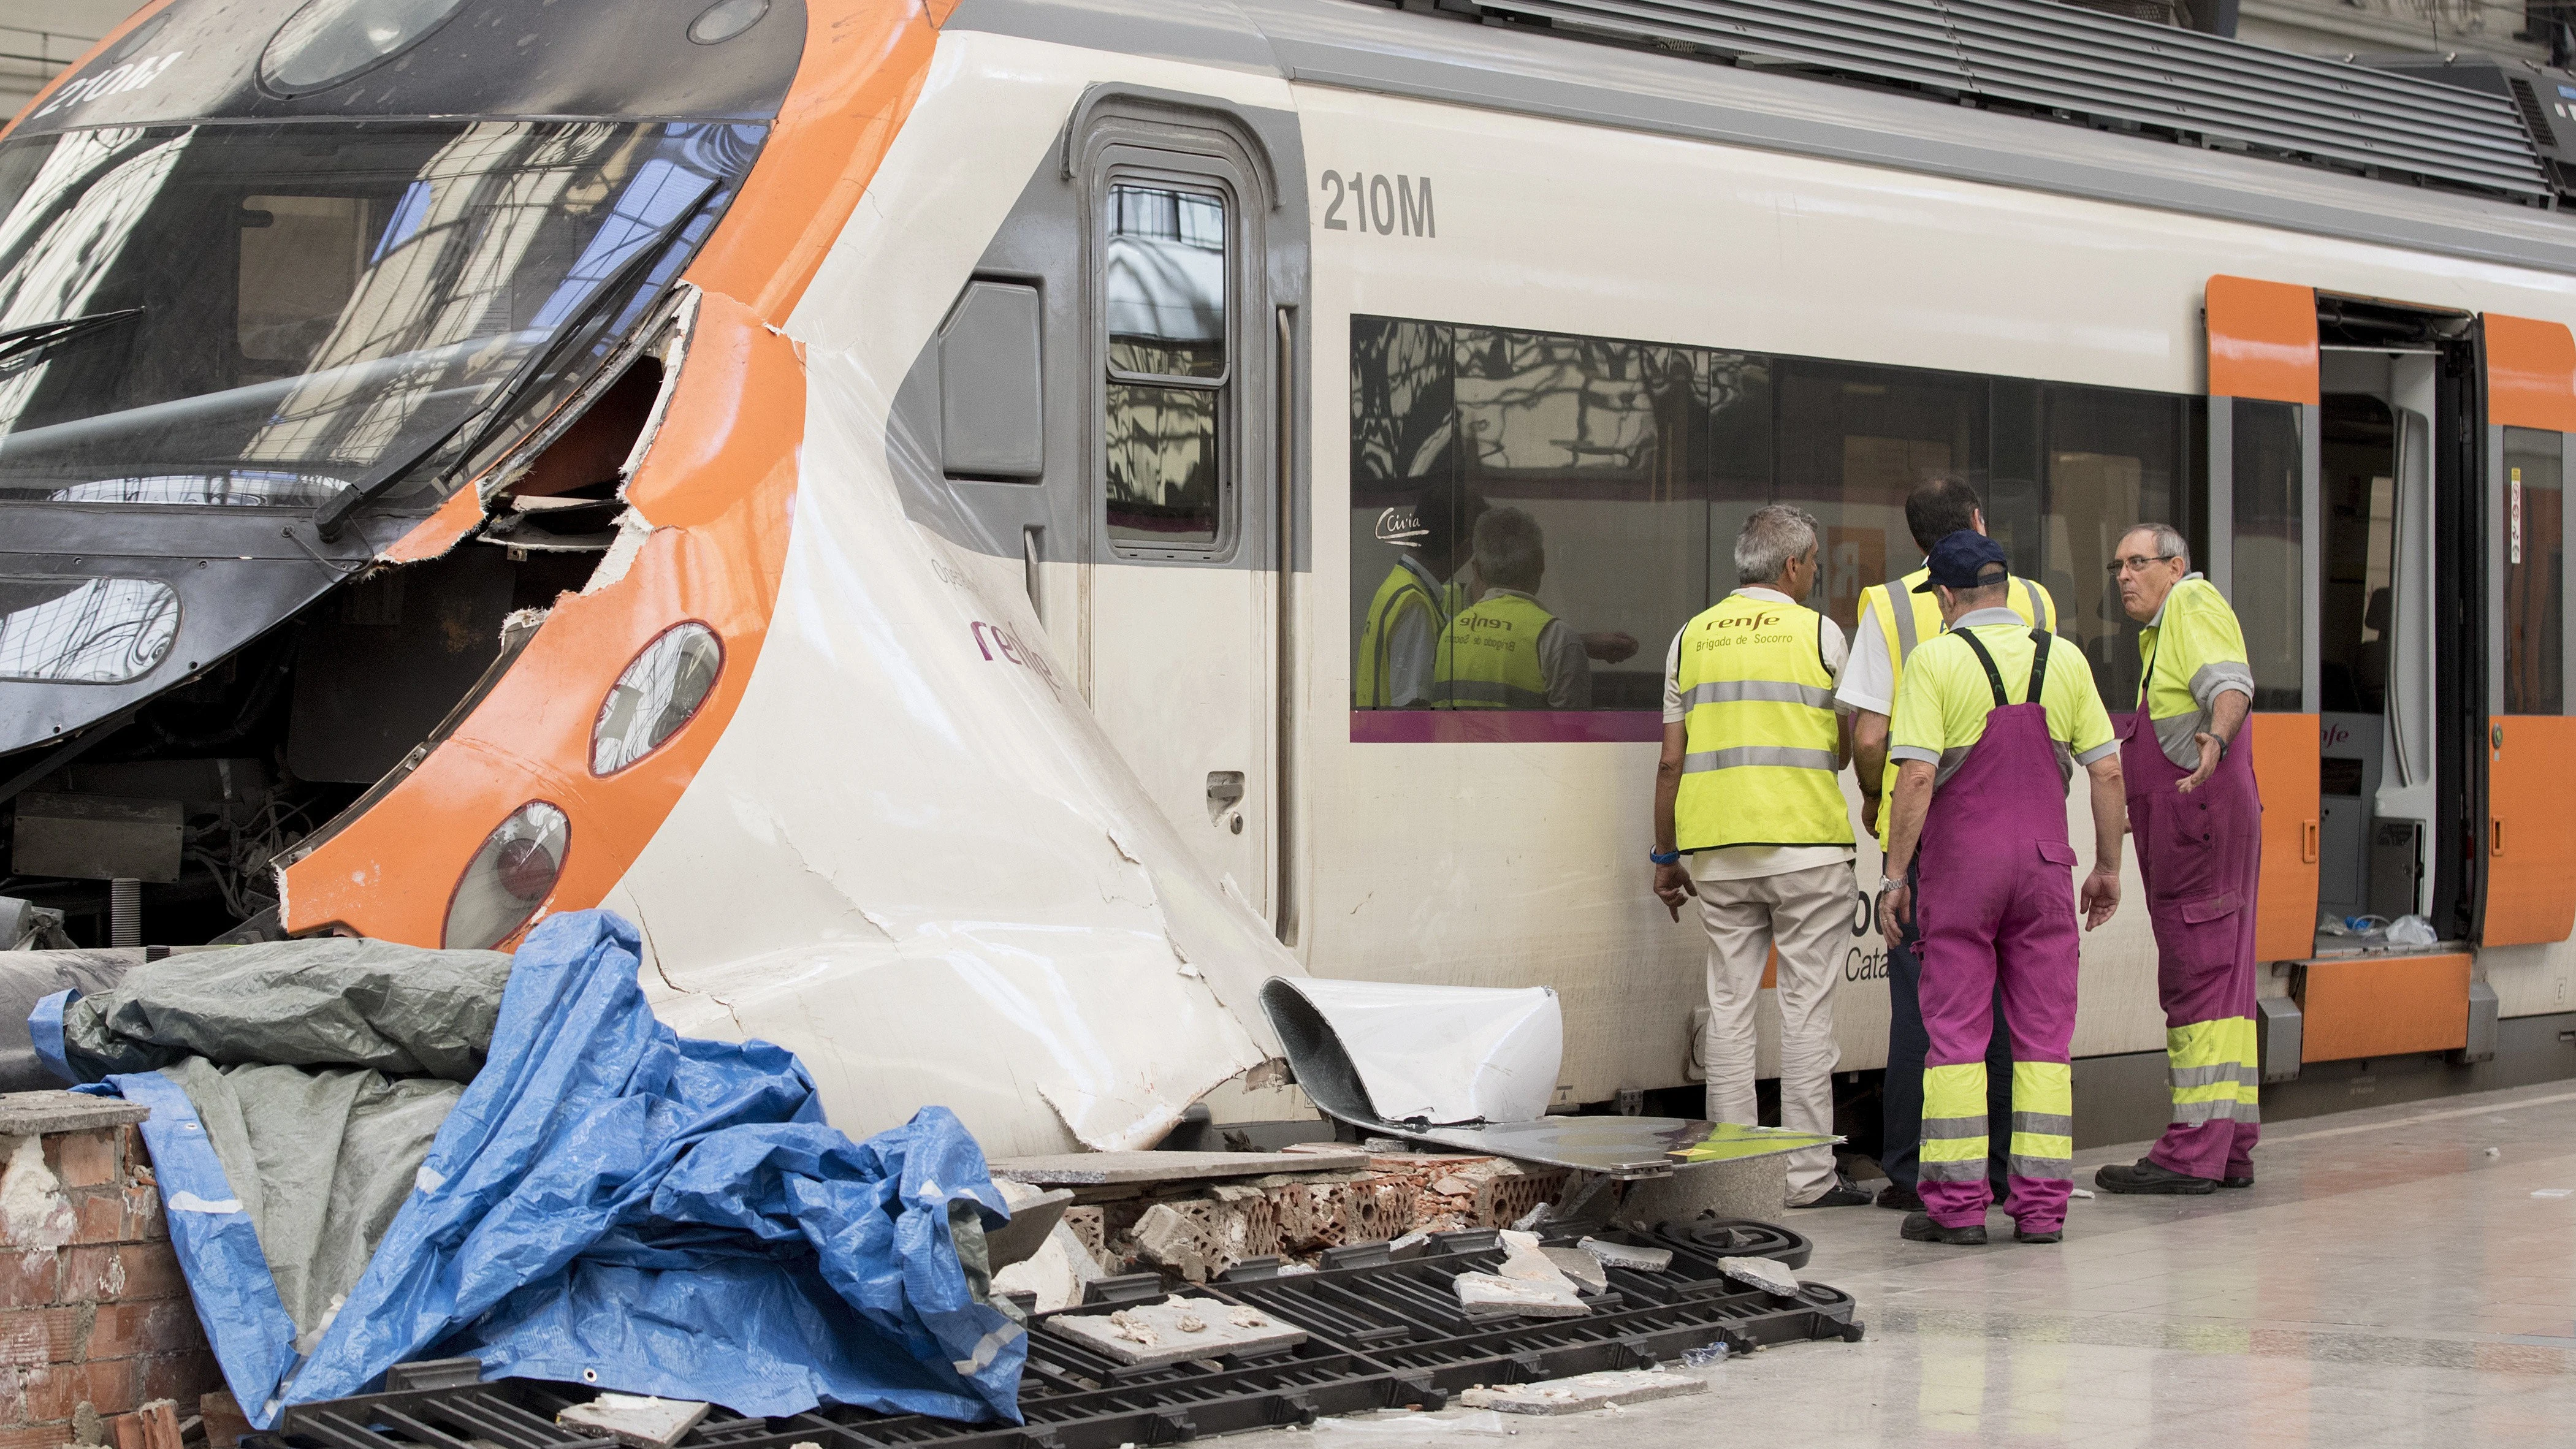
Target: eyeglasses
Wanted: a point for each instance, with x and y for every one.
(2137, 562)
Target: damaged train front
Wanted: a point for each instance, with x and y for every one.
(329, 331)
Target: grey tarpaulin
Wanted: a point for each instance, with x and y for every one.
(321, 1070)
(330, 1002)
(27, 977)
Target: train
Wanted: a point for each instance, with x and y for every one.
(887, 496)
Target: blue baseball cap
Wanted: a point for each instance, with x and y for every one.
(1961, 560)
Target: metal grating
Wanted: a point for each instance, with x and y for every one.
(1383, 1334)
(2093, 69)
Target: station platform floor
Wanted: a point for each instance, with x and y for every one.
(2402, 1275)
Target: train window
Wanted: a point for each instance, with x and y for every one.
(1165, 292)
(1632, 465)
(301, 258)
(2268, 583)
(2535, 567)
(2357, 463)
(2111, 459)
(1852, 442)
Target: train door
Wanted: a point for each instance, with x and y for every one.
(1177, 625)
(2529, 854)
(2264, 448)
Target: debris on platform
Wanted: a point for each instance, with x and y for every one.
(1177, 1330)
(1761, 1273)
(373, 1154)
(1580, 1268)
(1584, 1392)
(1527, 1281)
(639, 1421)
(1623, 1255)
(1101, 1169)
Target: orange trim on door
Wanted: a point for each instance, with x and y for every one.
(865, 63)
(2262, 340)
(2383, 1006)
(2531, 374)
(2285, 771)
(2531, 854)
(720, 488)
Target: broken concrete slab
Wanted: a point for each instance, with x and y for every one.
(1761, 1273)
(1623, 1255)
(635, 1419)
(1486, 1295)
(1584, 1392)
(1176, 1330)
(39, 1114)
(1096, 1169)
(1580, 1268)
(1034, 1214)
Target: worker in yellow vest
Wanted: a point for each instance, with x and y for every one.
(1893, 620)
(1749, 792)
(1400, 635)
(1506, 650)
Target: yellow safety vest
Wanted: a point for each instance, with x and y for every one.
(1758, 730)
(1921, 620)
(1371, 681)
(1489, 656)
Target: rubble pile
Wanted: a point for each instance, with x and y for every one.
(1194, 1226)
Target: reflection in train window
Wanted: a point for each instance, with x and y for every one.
(1165, 295)
(1638, 462)
(2268, 567)
(2535, 568)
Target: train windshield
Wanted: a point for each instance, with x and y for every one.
(268, 315)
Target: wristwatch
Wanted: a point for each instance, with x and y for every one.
(1664, 857)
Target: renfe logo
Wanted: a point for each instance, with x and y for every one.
(1399, 526)
(134, 75)
(2331, 734)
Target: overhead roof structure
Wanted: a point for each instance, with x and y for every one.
(2088, 68)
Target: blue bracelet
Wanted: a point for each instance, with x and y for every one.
(1664, 857)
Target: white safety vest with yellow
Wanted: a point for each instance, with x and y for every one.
(1903, 628)
(1760, 736)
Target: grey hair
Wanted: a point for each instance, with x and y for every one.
(1510, 551)
(1771, 538)
(2169, 540)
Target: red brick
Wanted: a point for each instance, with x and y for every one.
(113, 1386)
(125, 1431)
(180, 1376)
(40, 1335)
(143, 1214)
(40, 1436)
(225, 1422)
(13, 1395)
(88, 1159)
(155, 1326)
(100, 1215)
(28, 1279)
(50, 1391)
(126, 1271)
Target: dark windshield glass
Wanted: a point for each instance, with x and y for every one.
(316, 298)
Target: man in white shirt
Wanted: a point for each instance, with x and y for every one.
(1749, 792)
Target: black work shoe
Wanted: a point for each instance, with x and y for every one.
(2146, 1175)
(2246, 1181)
(1919, 1228)
(2025, 1235)
(1841, 1194)
(1900, 1197)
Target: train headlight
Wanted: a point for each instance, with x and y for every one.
(726, 19)
(657, 694)
(508, 878)
(330, 41)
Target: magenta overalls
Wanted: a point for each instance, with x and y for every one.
(1994, 902)
(2201, 856)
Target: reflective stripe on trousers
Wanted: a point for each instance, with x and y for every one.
(1954, 1123)
(2215, 1073)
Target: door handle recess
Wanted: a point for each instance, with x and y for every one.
(2495, 835)
(2307, 842)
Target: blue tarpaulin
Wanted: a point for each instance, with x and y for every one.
(611, 1203)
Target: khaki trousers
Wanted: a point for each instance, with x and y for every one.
(1807, 914)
